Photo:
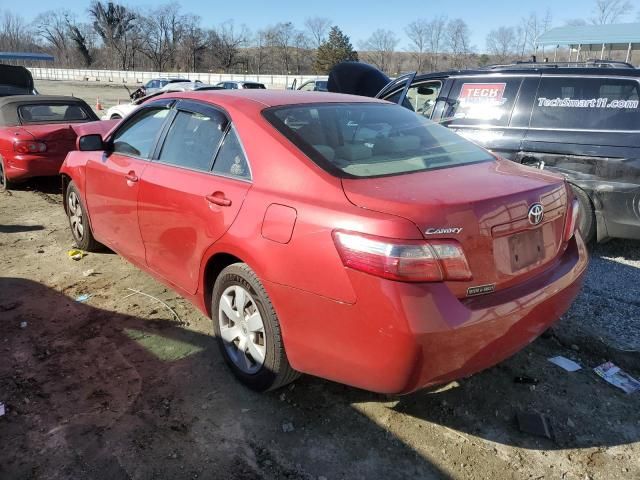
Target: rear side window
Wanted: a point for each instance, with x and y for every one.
(231, 160)
(54, 112)
(587, 104)
(371, 139)
(254, 86)
(486, 101)
(193, 139)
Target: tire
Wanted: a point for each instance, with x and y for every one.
(5, 184)
(251, 345)
(79, 221)
(587, 216)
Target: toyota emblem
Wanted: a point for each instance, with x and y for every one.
(536, 213)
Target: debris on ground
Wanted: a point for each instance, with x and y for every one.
(88, 273)
(565, 363)
(75, 254)
(288, 427)
(534, 424)
(82, 298)
(615, 376)
(525, 380)
(23, 325)
(2, 410)
(138, 292)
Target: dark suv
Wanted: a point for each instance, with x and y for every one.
(579, 120)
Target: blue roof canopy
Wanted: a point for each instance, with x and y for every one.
(614, 34)
(26, 56)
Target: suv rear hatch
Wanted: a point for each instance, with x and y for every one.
(15, 80)
(490, 203)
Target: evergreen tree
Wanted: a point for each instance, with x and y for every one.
(336, 49)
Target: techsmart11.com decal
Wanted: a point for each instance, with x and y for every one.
(601, 102)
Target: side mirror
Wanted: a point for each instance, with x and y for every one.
(426, 90)
(91, 143)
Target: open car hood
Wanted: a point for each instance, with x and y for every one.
(356, 79)
(16, 76)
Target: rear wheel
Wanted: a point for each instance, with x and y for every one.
(248, 331)
(5, 184)
(78, 220)
(587, 216)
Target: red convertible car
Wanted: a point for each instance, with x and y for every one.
(36, 133)
(334, 235)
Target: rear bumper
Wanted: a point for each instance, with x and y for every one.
(401, 337)
(22, 167)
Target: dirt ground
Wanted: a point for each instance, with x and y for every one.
(117, 387)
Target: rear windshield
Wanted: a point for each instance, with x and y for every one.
(53, 112)
(254, 85)
(368, 140)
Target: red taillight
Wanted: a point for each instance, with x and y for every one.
(29, 146)
(403, 260)
(572, 219)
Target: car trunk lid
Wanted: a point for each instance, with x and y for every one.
(483, 206)
(59, 138)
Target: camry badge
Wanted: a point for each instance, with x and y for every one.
(443, 231)
(536, 213)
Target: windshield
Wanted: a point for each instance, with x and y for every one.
(370, 140)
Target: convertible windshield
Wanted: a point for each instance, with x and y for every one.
(369, 140)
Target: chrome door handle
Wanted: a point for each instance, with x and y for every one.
(131, 177)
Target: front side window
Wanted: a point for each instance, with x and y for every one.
(193, 139)
(421, 97)
(231, 160)
(486, 101)
(372, 139)
(137, 137)
(587, 104)
(53, 112)
(308, 87)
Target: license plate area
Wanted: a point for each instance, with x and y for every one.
(526, 249)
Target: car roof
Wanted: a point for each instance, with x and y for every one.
(34, 99)
(555, 70)
(258, 100)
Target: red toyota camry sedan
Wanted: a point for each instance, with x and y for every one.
(334, 235)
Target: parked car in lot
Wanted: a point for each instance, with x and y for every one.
(316, 85)
(334, 235)
(15, 80)
(579, 120)
(121, 110)
(36, 133)
(235, 85)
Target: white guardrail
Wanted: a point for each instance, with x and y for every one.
(135, 78)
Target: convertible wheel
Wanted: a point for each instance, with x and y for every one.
(4, 183)
(80, 228)
(248, 330)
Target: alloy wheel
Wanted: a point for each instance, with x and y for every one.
(242, 329)
(75, 215)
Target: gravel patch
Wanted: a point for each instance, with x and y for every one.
(609, 305)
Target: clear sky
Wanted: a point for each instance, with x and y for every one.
(357, 18)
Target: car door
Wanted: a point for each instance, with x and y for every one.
(422, 96)
(191, 194)
(112, 181)
(480, 108)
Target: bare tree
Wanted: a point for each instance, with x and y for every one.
(502, 43)
(226, 41)
(458, 42)
(15, 34)
(162, 32)
(193, 43)
(436, 39)
(418, 32)
(52, 28)
(379, 47)
(114, 23)
(610, 11)
(280, 38)
(82, 36)
(318, 27)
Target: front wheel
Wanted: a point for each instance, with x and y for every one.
(587, 216)
(78, 220)
(248, 331)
